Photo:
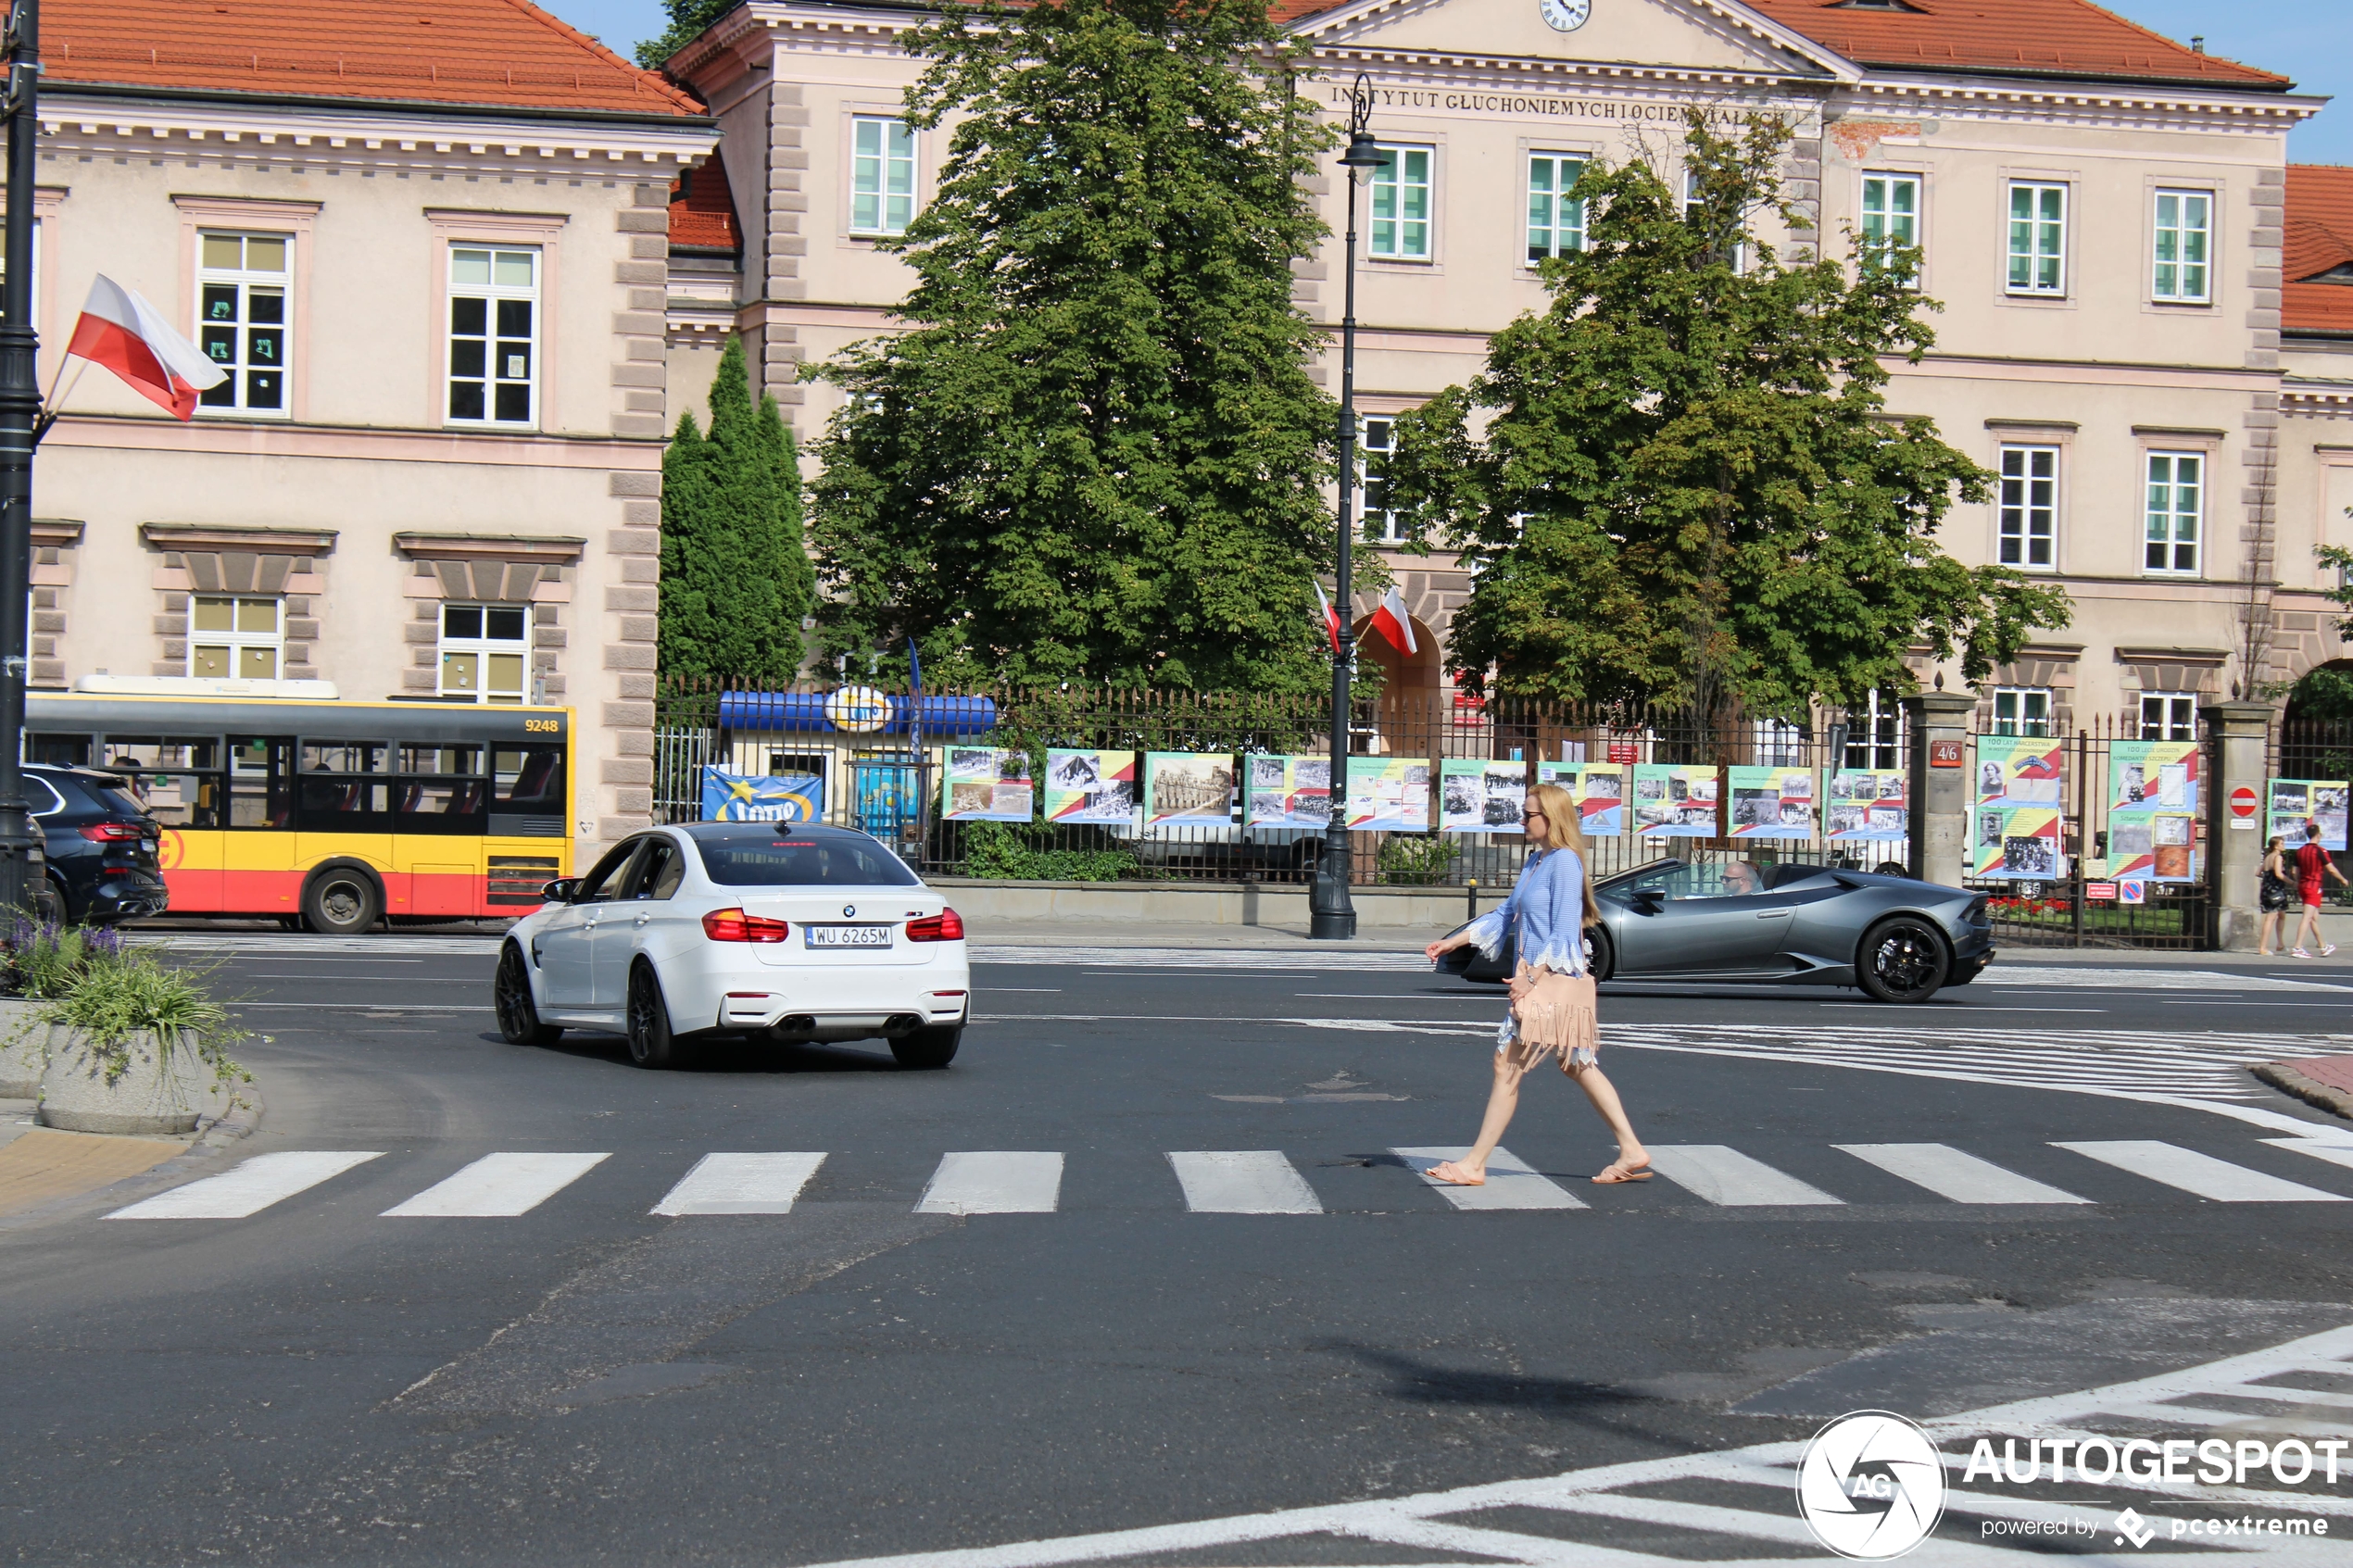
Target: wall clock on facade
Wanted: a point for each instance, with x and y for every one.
(1566, 16)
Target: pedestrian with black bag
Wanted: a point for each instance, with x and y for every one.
(2276, 896)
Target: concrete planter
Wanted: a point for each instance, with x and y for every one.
(162, 1091)
(24, 1047)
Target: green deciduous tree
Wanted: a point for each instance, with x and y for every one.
(687, 20)
(1095, 454)
(736, 578)
(1679, 480)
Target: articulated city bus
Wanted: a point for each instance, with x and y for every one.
(334, 815)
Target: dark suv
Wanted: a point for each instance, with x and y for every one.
(101, 844)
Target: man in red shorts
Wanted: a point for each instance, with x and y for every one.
(2311, 863)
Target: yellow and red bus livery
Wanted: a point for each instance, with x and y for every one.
(333, 814)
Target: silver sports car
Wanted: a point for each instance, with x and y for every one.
(1900, 940)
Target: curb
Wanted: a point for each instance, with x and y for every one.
(240, 1121)
(2311, 1091)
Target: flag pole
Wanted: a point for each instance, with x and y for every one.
(19, 410)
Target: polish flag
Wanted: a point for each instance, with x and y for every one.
(1391, 622)
(1332, 617)
(127, 336)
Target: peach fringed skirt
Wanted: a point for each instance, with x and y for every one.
(1558, 1019)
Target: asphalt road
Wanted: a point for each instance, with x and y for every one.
(588, 1382)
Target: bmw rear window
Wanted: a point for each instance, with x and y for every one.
(117, 798)
(800, 859)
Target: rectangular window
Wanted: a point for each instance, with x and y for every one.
(1555, 223)
(234, 636)
(494, 335)
(2176, 494)
(1692, 203)
(482, 649)
(2021, 710)
(2030, 507)
(1400, 205)
(241, 297)
(1875, 734)
(2038, 238)
(881, 176)
(2184, 228)
(1892, 215)
(1380, 440)
(2169, 716)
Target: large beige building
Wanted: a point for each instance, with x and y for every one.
(2100, 209)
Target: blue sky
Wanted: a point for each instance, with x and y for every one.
(2309, 39)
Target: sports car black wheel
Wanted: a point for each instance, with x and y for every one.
(651, 1043)
(518, 1018)
(1902, 960)
(1601, 952)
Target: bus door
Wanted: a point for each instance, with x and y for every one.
(180, 783)
(440, 806)
(343, 802)
(258, 852)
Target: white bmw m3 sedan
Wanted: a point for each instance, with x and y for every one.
(775, 931)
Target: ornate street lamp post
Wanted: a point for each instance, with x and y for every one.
(20, 405)
(1331, 913)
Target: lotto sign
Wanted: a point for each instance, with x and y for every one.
(1676, 801)
(2016, 808)
(1090, 787)
(1389, 793)
(1599, 789)
(2152, 807)
(1772, 803)
(2298, 804)
(1481, 797)
(1867, 807)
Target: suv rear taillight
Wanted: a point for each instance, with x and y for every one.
(113, 833)
(733, 926)
(944, 926)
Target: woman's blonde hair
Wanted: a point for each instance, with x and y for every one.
(1565, 829)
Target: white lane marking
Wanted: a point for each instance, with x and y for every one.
(2144, 979)
(289, 946)
(1512, 1182)
(1962, 1177)
(253, 1186)
(1726, 1177)
(498, 1186)
(994, 1181)
(1246, 1181)
(1125, 959)
(740, 1183)
(2335, 1154)
(2191, 1171)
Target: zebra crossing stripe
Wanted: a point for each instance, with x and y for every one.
(253, 1186)
(1725, 1176)
(994, 1181)
(1248, 1181)
(1511, 1182)
(498, 1186)
(2191, 1171)
(740, 1183)
(1951, 1173)
(2335, 1154)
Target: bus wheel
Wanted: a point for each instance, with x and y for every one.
(339, 902)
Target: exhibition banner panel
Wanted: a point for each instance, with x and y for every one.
(1090, 787)
(1389, 793)
(2293, 804)
(1772, 803)
(984, 784)
(1188, 786)
(1286, 791)
(762, 797)
(1599, 789)
(2017, 841)
(2020, 771)
(1677, 800)
(2152, 809)
(1867, 807)
(1481, 797)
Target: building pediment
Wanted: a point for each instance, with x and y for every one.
(1717, 36)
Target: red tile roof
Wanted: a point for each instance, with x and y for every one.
(2320, 239)
(499, 53)
(2045, 37)
(704, 217)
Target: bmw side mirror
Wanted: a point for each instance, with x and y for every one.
(560, 890)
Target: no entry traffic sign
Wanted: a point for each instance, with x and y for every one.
(2243, 807)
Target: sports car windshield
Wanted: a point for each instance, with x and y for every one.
(781, 858)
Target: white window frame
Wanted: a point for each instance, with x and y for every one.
(1777, 743)
(2045, 239)
(1690, 201)
(2018, 507)
(2170, 532)
(2176, 719)
(894, 156)
(1377, 525)
(1882, 227)
(238, 640)
(2022, 717)
(483, 649)
(1561, 221)
(1877, 731)
(238, 334)
(494, 376)
(2170, 276)
(1392, 172)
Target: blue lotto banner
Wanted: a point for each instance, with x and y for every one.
(762, 797)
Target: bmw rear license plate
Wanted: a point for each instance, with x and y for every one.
(845, 936)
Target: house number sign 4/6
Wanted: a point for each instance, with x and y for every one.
(1565, 16)
(1945, 754)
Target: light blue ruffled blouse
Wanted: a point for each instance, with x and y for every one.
(1547, 906)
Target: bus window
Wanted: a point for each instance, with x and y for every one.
(528, 779)
(464, 760)
(345, 756)
(260, 796)
(179, 780)
(57, 751)
(438, 783)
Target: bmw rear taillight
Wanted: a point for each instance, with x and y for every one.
(944, 926)
(733, 926)
(114, 832)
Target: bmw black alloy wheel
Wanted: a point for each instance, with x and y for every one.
(648, 1021)
(517, 1020)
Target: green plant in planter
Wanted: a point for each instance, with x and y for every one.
(119, 996)
(1417, 859)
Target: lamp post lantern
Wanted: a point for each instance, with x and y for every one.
(1331, 913)
(20, 408)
